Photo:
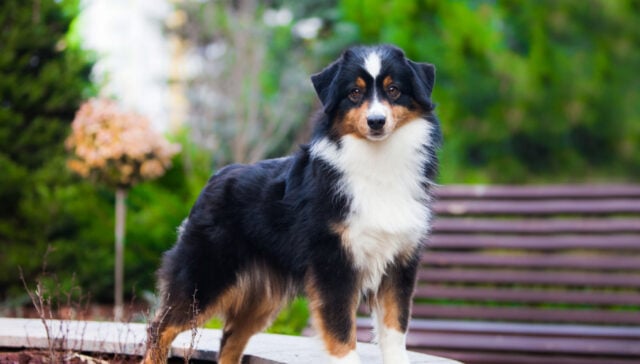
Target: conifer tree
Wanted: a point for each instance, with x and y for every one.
(43, 79)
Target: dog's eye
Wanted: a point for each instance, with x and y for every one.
(393, 92)
(355, 94)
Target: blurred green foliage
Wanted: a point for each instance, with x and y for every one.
(527, 91)
(292, 320)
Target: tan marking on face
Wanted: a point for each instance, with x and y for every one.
(402, 115)
(386, 82)
(333, 346)
(354, 122)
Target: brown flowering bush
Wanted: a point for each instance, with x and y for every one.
(117, 148)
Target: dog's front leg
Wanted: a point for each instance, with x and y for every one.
(333, 300)
(392, 309)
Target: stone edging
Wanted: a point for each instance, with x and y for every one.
(112, 338)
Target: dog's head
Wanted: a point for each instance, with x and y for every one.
(371, 91)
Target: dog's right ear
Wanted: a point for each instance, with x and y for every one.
(323, 82)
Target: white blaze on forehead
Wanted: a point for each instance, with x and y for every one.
(377, 109)
(372, 64)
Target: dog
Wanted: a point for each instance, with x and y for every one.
(341, 220)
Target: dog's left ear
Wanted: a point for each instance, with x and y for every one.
(323, 83)
(424, 77)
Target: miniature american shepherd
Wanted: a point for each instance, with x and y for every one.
(342, 220)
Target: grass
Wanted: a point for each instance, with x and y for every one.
(291, 321)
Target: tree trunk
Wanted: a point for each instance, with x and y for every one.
(121, 196)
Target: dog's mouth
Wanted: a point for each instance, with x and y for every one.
(377, 135)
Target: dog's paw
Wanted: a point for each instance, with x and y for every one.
(351, 358)
(395, 356)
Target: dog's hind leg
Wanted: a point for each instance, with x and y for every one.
(172, 318)
(239, 329)
(177, 313)
(249, 308)
(167, 324)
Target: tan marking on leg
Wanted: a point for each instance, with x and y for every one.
(390, 307)
(239, 329)
(386, 302)
(333, 346)
(249, 307)
(245, 319)
(159, 342)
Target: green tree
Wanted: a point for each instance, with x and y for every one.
(43, 79)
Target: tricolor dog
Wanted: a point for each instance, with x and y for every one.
(342, 220)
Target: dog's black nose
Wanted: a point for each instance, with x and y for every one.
(376, 122)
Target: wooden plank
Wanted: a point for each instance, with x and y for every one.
(511, 328)
(431, 291)
(516, 343)
(537, 192)
(562, 261)
(537, 207)
(526, 314)
(537, 226)
(547, 243)
(492, 357)
(529, 329)
(579, 279)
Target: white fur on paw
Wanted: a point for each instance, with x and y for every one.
(351, 358)
(393, 347)
(395, 356)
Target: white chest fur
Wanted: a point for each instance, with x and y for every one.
(384, 181)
